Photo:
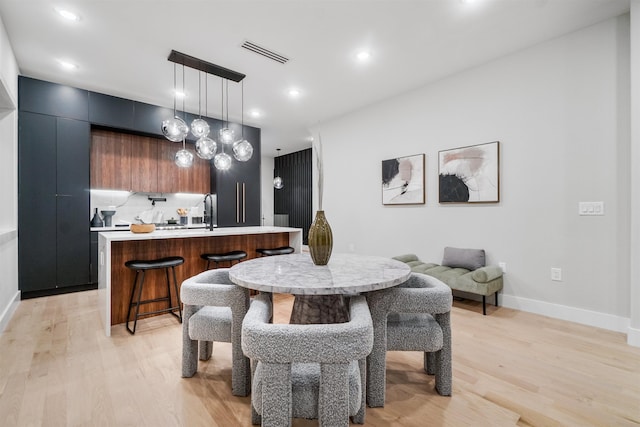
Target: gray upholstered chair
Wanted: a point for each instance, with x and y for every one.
(307, 371)
(414, 316)
(213, 311)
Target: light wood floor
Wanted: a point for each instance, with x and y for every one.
(510, 368)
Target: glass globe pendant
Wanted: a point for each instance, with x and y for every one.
(206, 148)
(199, 128)
(227, 136)
(183, 158)
(222, 161)
(277, 183)
(242, 150)
(175, 129)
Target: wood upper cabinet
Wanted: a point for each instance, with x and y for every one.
(144, 164)
(110, 160)
(121, 161)
(173, 179)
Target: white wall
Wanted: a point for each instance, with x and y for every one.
(9, 294)
(267, 191)
(633, 335)
(560, 111)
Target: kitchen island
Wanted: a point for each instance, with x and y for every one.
(116, 247)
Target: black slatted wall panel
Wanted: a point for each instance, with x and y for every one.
(295, 198)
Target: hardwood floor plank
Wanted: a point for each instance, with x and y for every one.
(510, 368)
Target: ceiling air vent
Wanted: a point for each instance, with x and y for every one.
(264, 52)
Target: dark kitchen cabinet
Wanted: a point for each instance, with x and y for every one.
(148, 118)
(36, 201)
(53, 202)
(238, 189)
(72, 202)
(38, 96)
(110, 111)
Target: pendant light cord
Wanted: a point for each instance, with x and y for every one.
(242, 110)
(184, 113)
(200, 93)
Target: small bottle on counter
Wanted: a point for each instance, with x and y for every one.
(96, 221)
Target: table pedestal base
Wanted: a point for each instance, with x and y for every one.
(314, 309)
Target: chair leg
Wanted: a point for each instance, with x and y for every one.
(205, 350)
(189, 346)
(135, 319)
(496, 298)
(133, 292)
(377, 365)
(443, 357)
(333, 399)
(430, 362)
(360, 417)
(484, 305)
(175, 286)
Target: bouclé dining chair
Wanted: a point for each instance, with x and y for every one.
(213, 311)
(307, 371)
(414, 316)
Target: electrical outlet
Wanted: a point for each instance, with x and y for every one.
(556, 274)
(503, 266)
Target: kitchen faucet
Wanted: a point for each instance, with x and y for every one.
(210, 212)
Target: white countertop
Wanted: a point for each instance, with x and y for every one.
(126, 227)
(112, 236)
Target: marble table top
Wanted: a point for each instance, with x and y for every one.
(297, 274)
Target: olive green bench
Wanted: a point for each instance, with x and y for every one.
(462, 270)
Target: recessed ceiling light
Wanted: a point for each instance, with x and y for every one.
(363, 55)
(68, 15)
(255, 114)
(67, 65)
(294, 93)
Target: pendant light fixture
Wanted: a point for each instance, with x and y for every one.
(206, 147)
(176, 129)
(199, 127)
(242, 149)
(222, 161)
(227, 135)
(278, 184)
(183, 157)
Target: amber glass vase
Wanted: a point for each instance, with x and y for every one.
(320, 239)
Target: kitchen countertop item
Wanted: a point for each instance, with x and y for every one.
(142, 228)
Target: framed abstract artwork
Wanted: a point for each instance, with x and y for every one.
(470, 174)
(403, 180)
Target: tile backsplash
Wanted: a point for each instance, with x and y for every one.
(130, 205)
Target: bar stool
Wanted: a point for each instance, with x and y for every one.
(140, 266)
(283, 250)
(227, 256)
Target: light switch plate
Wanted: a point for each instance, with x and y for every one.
(556, 274)
(591, 208)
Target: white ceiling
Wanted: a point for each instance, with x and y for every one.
(121, 48)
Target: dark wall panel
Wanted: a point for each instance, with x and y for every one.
(295, 199)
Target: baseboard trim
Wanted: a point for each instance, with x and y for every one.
(58, 291)
(572, 314)
(7, 314)
(633, 337)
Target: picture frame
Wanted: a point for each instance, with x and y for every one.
(403, 180)
(469, 174)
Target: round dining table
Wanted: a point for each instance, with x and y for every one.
(319, 290)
